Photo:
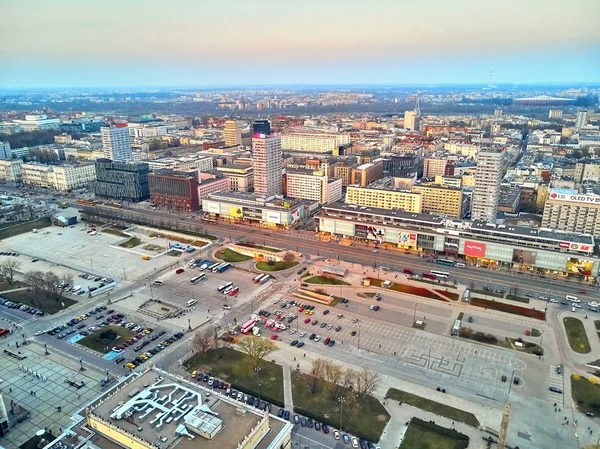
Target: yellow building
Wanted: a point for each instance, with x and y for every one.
(384, 198)
(468, 180)
(440, 200)
(232, 134)
(344, 172)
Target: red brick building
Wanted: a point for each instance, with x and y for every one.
(174, 190)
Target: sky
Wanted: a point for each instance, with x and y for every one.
(248, 42)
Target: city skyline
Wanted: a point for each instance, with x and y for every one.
(262, 43)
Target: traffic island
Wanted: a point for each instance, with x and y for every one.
(275, 266)
(228, 255)
(578, 339)
(586, 393)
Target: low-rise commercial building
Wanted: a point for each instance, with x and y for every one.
(122, 181)
(59, 177)
(253, 209)
(523, 248)
(441, 200)
(174, 190)
(384, 198)
(241, 177)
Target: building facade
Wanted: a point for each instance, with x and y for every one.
(5, 151)
(116, 142)
(122, 181)
(411, 120)
(488, 178)
(267, 163)
(59, 177)
(581, 119)
(174, 190)
(441, 200)
(312, 186)
(232, 133)
(313, 143)
(365, 174)
(261, 127)
(384, 198)
(344, 172)
(241, 177)
(572, 212)
(433, 167)
(10, 171)
(209, 186)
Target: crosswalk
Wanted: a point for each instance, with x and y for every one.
(556, 380)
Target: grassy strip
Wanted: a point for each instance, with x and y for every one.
(131, 243)
(364, 416)
(586, 393)
(228, 255)
(427, 435)
(263, 248)
(576, 335)
(104, 339)
(24, 227)
(409, 289)
(235, 367)
(325, 280)
(275, 266)
(432, 282)
(433, 407)
(40, 302)
(508, 308)
(116, 232)
(517, 298)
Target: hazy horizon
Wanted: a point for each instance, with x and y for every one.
(235, 43)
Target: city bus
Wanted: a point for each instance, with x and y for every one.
(223, 287)
(208, 220)
(214, 265)
(198, 278)
(256, 279)
(247, 326)
(215, 268)
(440, 274)
(191, 302)
(223, 268)
(264, 279)
(449, 263)
(456, 329)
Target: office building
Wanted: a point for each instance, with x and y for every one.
(208, 186)
(60, 177)
(433, 167)
(556, 114)
(365, 174)
(488, 178)
(261, 127)
(497, 113)
(384, 198)
(116, 142)
(572, 212)
(232, 134)
(441, 200)
(10, 170)
(309, 185)
(411, 120)
(121, 181)
(344, 172)
(241, 177)
(5, 151)
(581, 119)
(313, 142)
(266, 160)
(404, 165)
(173, 190)
(38, 122)
(587, 171)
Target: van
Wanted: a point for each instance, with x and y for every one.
(572, 298)
(191, 302)
(459, 265)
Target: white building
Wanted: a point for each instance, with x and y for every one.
(232, 134)
(59, 177)
(38, 122)
(266, 160)
(411, 120)
(5, 151)
(116, 142)
(488, 178)
(555, 113)
(10, 171)
(313, 186)
(313, 142)
(581, 120)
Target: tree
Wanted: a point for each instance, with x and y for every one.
(257, 348)
(333, 376)
(51, 284)
(8, 269)
(36, 282)
(289, 257)
(349, 378)
(369, 381)
(65, 280)
(201, 342)
(317, 372)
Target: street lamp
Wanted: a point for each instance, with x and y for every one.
(415, 312)
(341, 400)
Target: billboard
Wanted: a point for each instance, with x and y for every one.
(524, 257)
(574, 198)
(273, 217)
(474, 249)
(211, 207)
(376, 233)
(361, 231)
(407, 239)
(579, 266)
(236, 212)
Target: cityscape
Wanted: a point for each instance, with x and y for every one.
(301, 237)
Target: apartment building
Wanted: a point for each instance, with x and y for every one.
(344, 172)
(123, 181)
(313, 143)
(208, 186)
(59, 177)
(10, 170)
(433, 167)
(491, 167)
(305, 184)
(5, 151)
(116, 142)
(384, 198)
(365, 174)
(267, 162)
(572, 212)
(441, 200)
(232, 133)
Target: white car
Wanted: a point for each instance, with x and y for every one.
(292, 331)
(302, 334)
(40, 332)
(211, 381)
(226, 307)
(115, 349)
(317, 338)
(336, 435)
(240, 395)
(276, 301)
(354, 442)
(553, 300)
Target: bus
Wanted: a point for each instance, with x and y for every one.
(447, 262)
(198, 278)
(247, 326)
(264, 279)
(214, 268)
(256, 279)
(223, 268)
(208, 220)
(191, 302)
(456, 329)
(572, 298)
(440, 274)
(214, 265)
(234, 291)
(221, 288)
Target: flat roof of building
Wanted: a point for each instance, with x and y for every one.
(391, 213)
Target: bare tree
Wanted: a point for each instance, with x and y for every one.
(369, 381)
(202, 342)
(8, 269)
(333, 376)
(65, 279)
(289, 257)
(349, 378)
(257, 348)
(51, 284)
(318, 372)
(35, 279)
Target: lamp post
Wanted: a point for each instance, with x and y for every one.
(415, 312)
(341, 400)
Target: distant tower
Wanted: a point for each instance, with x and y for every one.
(417, 108)
(581, 119)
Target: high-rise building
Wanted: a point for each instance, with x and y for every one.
(266, 159)
(555, 113)
(5, 152)
(121, 180)
(232, 133)
(411, 120)
(497, 113)
(572, 212)
(488, 178)
(581, 120)
(174, 190)
(261, 127)
(433, 167)
(116, 142)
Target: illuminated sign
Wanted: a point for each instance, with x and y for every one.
(573, 198)
(474, 249)
(273, 217)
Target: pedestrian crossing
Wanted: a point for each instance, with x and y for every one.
(557, 380)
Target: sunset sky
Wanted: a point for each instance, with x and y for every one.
(248, 42)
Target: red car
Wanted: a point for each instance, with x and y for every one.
(582, 291)
(327, 340)
(274, 337)
(306, 321)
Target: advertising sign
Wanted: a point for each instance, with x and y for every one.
(212, 208)
(236, 212)
(474, 249)
(376, 233)
(407, 239)
(273, 217)
(361, 231)
(564, 245)
(579, 266)
(575, 198)
(523, 256)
